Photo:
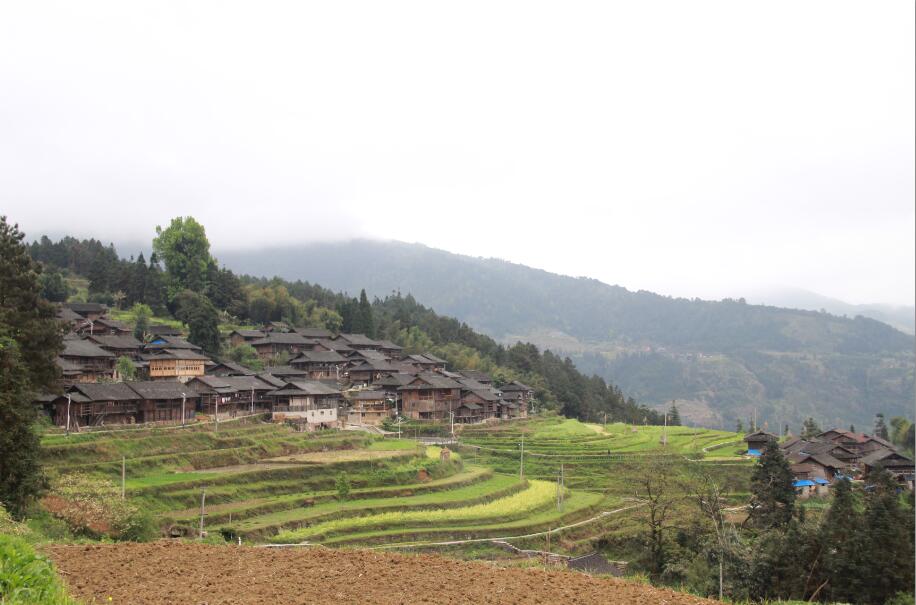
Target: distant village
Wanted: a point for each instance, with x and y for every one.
(331, 380)
(819, 461)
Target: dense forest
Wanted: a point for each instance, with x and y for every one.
(722, 358)
(181, 279)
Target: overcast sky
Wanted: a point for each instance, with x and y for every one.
(690, 148)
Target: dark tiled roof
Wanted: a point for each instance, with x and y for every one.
(427, 380)
(272, 380)
(229, 368)
(515, 386)
(67, 314)
(311, 387)
(164, 330)
(82, 308)
(395, 379)
(172, 342)
(83, 348)
(358, 339)
(102, 391)
(373, 366)
(477, 375)
(879, 455)
(283, 338)
(434, 359)
(161, 389)
(315, 332)
(248, 333)
(285, 371)
(113, 323)
(420, 359)
(115, 341)
(390, 346)
(319, 357)
(369, 355)
(334, 345)
(366, 395)
(176, 354)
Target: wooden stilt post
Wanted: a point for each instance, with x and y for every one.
(203, 499)
(123, 475)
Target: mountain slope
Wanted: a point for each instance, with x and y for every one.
(721, 360)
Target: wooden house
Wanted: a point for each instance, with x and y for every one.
(370, 407)
(368, 372)
(899, 465)
(84, 361)
(71, 318)
(176, 364)
(98, 404)
(275, 343)
(811, 466)
(517, 394)
(422, 362)
(320, 364)
(287, 372)
(327, 344)
(277, 327)
(241, 337)
(164, 401)
(310, 403)
(430, 396)
(391, 349)
(757, 441)
(358, 356)
(230, 396)
(478, 401)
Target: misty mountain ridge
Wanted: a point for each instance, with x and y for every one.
(902, 317)
(719, 359)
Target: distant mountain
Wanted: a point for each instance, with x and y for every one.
(720, 360)
(901, 317)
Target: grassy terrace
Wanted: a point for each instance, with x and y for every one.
(268, 483)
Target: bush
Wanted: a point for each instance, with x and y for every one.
(343, 486)
(93, 507)
(27, 578)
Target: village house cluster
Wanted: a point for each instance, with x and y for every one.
(331, 380)
(819, 461)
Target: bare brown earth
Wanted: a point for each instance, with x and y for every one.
(162, 573)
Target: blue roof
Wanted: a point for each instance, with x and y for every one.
(803, 483)
(821, 481)
(753, 452)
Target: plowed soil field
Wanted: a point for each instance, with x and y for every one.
(174, 573)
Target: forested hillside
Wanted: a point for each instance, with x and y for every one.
(722, 359)
(194, 289)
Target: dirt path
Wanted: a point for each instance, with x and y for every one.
(164, 573)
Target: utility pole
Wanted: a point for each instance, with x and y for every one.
(252, 400)
(183, 415)
(123, 475)
(203, 499)
(216, 415)
(665, 431)
(451, 417)
(521, 461)
(68, 414)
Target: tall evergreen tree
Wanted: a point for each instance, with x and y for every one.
(136, 284)
(30, 339)
(674, 416)
(888, 550)
(842, 539)
(202, 319)
(881, 427)
(772, 493)
(363, 321)
(810, 428)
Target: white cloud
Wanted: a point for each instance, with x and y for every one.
(689, 148)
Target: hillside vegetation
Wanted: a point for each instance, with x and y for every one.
(721, 359)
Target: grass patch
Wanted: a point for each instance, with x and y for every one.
(27, 578)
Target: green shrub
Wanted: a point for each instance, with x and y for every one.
(27, 578)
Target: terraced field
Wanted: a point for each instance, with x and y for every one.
(265, 483)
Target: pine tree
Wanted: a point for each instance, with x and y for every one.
(842, 540)
(363, 322)
(810, 428)
(674, 417)
(772, 493)
(30, 339)
(888, 551)
(880, 427)
(136, 283)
